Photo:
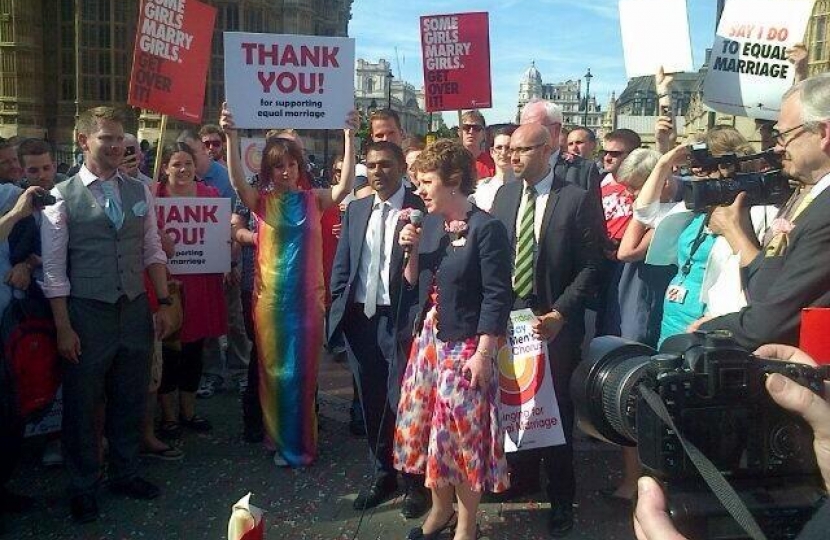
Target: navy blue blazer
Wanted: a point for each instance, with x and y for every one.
(474, 283)
(344, 272)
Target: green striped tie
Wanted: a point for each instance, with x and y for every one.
(523, 273)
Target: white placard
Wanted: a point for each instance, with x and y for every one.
(201, 230)
(528, 408)
(748, 69)
(655, 33)
(289, 81)
(251, 152)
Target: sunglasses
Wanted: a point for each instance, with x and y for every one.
(212, 144)
(472, 127)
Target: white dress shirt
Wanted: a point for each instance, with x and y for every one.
(54, 233)
(395, 203)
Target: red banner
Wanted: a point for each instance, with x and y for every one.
(456, 54)
(170, 62)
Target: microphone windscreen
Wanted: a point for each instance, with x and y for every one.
(416, 217)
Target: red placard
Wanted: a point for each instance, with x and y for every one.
(456, 55)
(170, 61)
(815, 338)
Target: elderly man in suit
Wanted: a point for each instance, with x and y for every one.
(552, 225)
(371, 307)
(791, 273)
(98, 239)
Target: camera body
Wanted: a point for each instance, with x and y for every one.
(714, 391)
(715, 394)
(769, 187)
(41, 200)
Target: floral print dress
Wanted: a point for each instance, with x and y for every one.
(446, 429)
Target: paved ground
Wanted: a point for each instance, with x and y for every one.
(314, 503)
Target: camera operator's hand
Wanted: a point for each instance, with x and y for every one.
(784, 353)
(25, 204)
(734, 223)
(651, 520)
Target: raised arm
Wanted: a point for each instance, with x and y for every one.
(246, 192)
(651, 190)
(665, 134)
(335, 194)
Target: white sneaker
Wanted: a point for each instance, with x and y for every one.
(279, 461)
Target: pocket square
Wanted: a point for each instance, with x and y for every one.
(140, 209)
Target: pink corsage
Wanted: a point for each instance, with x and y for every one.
(457, 231)
(782, 226)
(405, 215)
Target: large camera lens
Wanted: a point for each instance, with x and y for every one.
(603, 387)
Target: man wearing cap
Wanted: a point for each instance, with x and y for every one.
(368, 305)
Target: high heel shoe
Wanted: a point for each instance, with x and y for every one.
(418, 532)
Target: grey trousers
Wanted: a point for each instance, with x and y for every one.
(113, 373)
(239, 347)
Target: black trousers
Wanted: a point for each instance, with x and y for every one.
(182, 369)
(371, 350)
(251, 409)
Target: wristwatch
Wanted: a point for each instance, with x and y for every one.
(166, 301)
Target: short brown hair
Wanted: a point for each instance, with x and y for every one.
(387, 146)
(34, 147)
(276, 150)
(90, 120)
(385, 114)
(211, 129)
(413, 144)
(453, 163)
(626, 136)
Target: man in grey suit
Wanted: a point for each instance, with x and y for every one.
(98, 239)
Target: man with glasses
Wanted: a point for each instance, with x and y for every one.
(792, 272)
(472, 135)
(214, 140)
(551, 224)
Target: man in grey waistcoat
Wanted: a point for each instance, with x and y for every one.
(98, 239)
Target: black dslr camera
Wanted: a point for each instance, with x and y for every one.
(39, 200)
(714, 392)
(762, 188)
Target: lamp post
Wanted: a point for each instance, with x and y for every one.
(588, 78)
(389, 78)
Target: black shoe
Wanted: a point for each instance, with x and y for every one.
(84, 508)
(14, 502)
(136, 488)
(418, 532)
(560, 520)
(416, 501)
(383, 490)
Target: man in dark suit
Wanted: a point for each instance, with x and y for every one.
(795, 275)
(370, 306)
(557, 220)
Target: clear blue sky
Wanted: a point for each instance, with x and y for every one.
(564, 38)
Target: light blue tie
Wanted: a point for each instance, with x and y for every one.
(111, 205)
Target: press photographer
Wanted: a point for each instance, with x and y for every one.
(651, 519)
(791, 273)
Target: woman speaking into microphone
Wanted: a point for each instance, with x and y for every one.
(448, 425)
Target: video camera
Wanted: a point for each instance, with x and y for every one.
(715, 395)
(762, 188)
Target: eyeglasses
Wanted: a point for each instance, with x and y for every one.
(472, 127)
(614, 153)
(779, 136)
(212, 144)
(525, 150)
(502, 148)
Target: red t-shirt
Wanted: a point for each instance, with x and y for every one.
(485, 166)
(618, 204)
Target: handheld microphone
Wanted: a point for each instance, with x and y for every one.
(416, 217)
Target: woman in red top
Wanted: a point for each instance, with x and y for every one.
(203, 303)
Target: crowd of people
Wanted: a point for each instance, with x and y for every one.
(410, 263)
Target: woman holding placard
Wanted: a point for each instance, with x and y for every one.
(205, 315)
(448, 423)
(288, 286)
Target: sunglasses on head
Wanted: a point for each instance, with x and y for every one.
(212, 144)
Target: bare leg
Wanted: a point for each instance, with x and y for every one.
(441, 511)
(631, 472)
(467, 512)
(168, 407)
(187, 404)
